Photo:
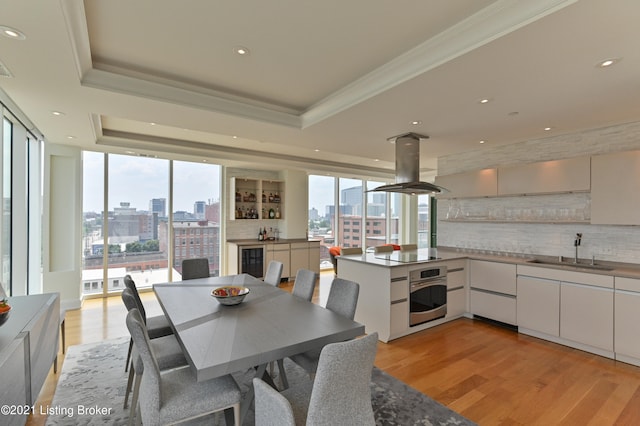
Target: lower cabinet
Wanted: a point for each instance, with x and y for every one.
(456, 302)
(493, 290)
(280, 253)
(627, 318)
(586, 315)
(538, 305)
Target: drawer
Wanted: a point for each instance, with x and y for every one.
(493, 306)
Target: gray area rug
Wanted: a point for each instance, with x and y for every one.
(92, 383)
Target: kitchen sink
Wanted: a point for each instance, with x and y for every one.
(570, 263)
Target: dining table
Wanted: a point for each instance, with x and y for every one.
(269, 325)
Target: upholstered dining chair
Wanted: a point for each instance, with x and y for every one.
(383, 249)
(274, 273)
(157, 326)
(339, 395)
(195, 268)
(168, 352)
(408, 247)
(343, 300)
(305, 284)
(176, 395)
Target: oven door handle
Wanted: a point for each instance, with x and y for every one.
(423, 284)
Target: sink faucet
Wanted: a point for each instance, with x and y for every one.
(576, 244)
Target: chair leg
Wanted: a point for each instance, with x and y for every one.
(283, 375)
(128, 390)
(232, 411)
(126, 366)
(64, 340)
(134, 398)
(138, 416)
(55, 365)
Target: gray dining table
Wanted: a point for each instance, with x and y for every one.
(270, 324)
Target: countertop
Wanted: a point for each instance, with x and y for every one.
(254, 242)
(618, 269)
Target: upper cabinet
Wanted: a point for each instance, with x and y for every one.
(615, 185)
(256, 199)
(547, 177)
(480, 183)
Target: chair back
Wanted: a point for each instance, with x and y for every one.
(350, 250)
(341, 391)
(405, 247)
(383, 249)
(304, 284)
(271, 408)
(131, 285)
(274, 273)
(343, 297)
(150, 384)
(195, 268)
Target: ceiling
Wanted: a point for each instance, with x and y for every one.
(324, 83)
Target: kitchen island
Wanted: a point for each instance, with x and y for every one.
(384, 302)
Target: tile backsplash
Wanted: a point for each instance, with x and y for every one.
(544, 224)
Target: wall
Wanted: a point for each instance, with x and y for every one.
(614, 243)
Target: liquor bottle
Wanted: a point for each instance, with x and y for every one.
(277, 213)
(264, 233)
(272, 213)
(260, 238)
(264, 197)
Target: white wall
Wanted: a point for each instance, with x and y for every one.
(614, 243)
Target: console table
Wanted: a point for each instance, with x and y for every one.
(28, 348)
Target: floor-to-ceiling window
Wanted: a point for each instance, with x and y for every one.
(350, 213)
(376, 229)
(322, 214)
(424, 219)
(196, 214)
(5, 242)
(157, 213)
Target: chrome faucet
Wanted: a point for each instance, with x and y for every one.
(576, 244)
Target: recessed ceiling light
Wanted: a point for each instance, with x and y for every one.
(241, 50)
(546, 129)
(416, 122)
(57, 113)
(234, 137)
(152, 123)
(12, 33)
(376, 160)
(71, 137)
(482, 141)
(608, 62)
(484, 101)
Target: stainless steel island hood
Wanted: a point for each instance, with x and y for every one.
(408, 168)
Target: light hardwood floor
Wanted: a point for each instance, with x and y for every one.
(490, 374)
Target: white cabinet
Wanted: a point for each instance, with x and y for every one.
(456, 288)
(615, 185)
(538, 305)
(493, 290)
(627, 318)
(281, 253)
(546, 177)
(299, 257)
(586, 315)
(478, 183)
(314, 256)
(399, 314)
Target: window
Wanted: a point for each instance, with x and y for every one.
(350, 207)
(322, 215)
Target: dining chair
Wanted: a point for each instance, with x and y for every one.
(339, 395)
(157, 326)
(168, 353)
(175, 395)
(383, 249)
(305, 284)
(408, 247)
(274, 273)
(303, 287)
(343, 300)
(195, 268)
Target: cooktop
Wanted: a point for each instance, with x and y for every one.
(405, 257)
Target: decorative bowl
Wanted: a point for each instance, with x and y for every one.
(230, 295)
(4, 315)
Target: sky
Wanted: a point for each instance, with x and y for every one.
(137, 180)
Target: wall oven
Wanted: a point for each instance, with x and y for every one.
(427, 294)
(251, 260)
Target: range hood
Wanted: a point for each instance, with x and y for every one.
(408, 168)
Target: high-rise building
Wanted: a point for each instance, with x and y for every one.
(158, 205)
(199, 209)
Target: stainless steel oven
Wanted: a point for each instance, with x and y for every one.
(427, 294)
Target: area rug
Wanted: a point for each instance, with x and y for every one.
(92, 383)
